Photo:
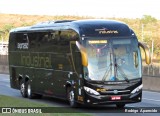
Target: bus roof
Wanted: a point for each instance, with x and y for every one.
(88, 27)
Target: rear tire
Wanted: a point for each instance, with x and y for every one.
(23, 89)
(29, 91)
(71, 97)
(30, 94)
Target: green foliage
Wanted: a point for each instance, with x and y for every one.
(8, 27)
(5, 31)
(148, 19)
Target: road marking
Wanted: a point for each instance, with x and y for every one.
(5, 79)
(128, 105)
(151, 99)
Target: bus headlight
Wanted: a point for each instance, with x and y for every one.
(91, 91)
(137, 89)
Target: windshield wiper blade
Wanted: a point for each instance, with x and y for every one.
(109, 70)
(126, 79)
(118, 68)
(122, 73)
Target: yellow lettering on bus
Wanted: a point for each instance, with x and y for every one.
(36, 60)
(97, 41)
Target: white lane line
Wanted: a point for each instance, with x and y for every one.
(5, 79)
(151, 99)
(130, 105)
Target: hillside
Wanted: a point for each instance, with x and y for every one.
(22, 20)
(147, 28)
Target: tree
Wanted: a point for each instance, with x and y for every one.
(6, 28)
(146, 19)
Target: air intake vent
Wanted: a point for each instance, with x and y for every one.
(63, 21)
(49, 23)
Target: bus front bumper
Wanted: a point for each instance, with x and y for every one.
(113, 99)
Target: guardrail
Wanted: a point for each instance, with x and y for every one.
(3, 59)
(4, 64)
(151, 83)
(151, 70)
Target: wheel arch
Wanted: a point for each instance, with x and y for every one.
(21, 77)
(27, 78)
(68, 84)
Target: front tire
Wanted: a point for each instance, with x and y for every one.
(71, 97)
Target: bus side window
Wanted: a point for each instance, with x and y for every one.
(39, 39)
(77, 59)
(53, 37)
(25, 38)
(64, 38)
(32, 40)
(22, 41)
(53, 41)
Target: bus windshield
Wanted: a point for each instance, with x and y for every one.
(114, 59)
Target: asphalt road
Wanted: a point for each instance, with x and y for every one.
(150, 99)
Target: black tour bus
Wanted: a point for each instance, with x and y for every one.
(85, 62)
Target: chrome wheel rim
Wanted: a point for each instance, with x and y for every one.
(29, 90)
(71, 96)
(22, 88)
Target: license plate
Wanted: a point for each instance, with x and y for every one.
(115, 97)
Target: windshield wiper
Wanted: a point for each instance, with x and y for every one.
(119, 69)
(109, 70)
(123, 74)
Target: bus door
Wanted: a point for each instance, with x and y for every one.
(78, 69)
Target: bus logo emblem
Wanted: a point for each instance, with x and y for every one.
(106, 31)
(115, 91)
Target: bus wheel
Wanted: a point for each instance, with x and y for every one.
(23, 89)
(120, 105)
(29, 90)
(70, 97)
(30, 94)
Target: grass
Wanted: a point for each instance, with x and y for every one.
(11, 102)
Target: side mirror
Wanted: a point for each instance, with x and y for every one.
(146, 51)
(83, 54)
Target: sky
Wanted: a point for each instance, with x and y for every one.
(95, 8)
